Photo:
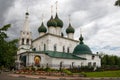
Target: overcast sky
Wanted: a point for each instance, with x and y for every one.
(99, 20)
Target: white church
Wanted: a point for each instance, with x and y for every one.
(51, 48)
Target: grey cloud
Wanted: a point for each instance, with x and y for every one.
(95, 17)
(4, 6)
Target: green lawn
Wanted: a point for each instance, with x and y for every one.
(103, 74)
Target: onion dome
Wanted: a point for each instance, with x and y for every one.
(81, 48)
(70, 29)
(58, 21)
(42, 28)
(51, 22)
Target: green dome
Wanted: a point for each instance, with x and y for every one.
(51, 22)
(42, 28)
(82, 48)
(70, 29)
(58, 21)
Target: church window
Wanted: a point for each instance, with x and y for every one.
(68, 49)
(63, 48)
(93, 57)
(81, 63)
(55, 47)
(39, 48)
(34, 49)
(22, 41)
(89, 64)
(44, 47)
(23, 32)
(27, 41)
(73, 64)
(61, 65)
(94, 64)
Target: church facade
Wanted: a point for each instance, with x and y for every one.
(52, 48)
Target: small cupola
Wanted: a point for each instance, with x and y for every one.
(51, 22)
(58, 21)
(42, 28)
(70, 29)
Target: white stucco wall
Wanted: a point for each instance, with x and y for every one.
(52, 30)
(96, 59)
(70, 35)
(51, 40)
(58, 31)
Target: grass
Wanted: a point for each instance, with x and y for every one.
(103, 74)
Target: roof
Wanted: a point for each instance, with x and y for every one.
(55, 54)
(81, 48)
(51, 22)
(42, 28)
(70, 29)
(58, 21)
(63, 55)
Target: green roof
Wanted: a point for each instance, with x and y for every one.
(51, 22)
(56, 54)
(70, 29)
(81, 48)
(58, 21)
(42, 28)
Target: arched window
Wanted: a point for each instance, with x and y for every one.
(39, 48)
(61, 65)
(27, 33)
(22, 41)
(94, 64)
(27, 41)
(93, 56)
(89, 64)
(55, 47)
(68, 50)
(44, 47)
(73, 64)
(63, 48)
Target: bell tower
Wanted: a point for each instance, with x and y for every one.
(25, 39)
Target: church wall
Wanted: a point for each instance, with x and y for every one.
(30, 60)
(50, 42)
(58, 31)
(66, 63)
(41, 33)
(40, 43)
(89, 58)
(52, 30)
(60, 43)
(70, 35)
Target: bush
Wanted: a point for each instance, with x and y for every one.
(48, 69)
(33, 69)
(67, 71)
(83, 74)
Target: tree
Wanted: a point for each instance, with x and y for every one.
(8, 49)
(117, 3)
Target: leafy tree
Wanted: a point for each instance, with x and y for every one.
(117, 3)
(110, 60)
(8, 49)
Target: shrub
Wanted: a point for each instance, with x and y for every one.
(48, 69)
(67, 71)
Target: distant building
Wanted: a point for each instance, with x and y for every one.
(52, 49)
